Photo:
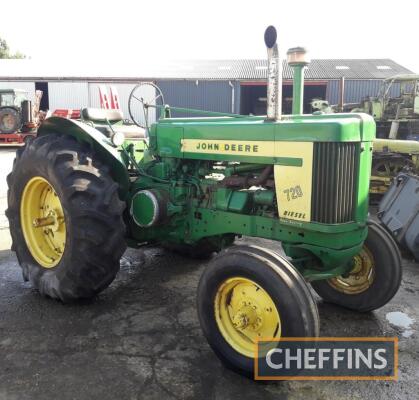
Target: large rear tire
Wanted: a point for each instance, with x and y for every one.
(249, 293)
(373, 281)
(65, 218)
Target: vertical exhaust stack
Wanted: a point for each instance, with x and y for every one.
(274, 97)
(298, 60)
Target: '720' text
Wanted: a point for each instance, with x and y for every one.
(293, 193)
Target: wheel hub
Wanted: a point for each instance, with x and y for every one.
(361, 276)
(245, 313)
(43, 223)
(246, 317)
(7, 121)
(52, 221)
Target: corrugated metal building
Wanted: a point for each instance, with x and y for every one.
(237, 86)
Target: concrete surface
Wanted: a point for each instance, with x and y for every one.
(140, 339)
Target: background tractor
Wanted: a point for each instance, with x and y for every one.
(396, 113)
(397, 120)
(17, 113)
(85, 189)
(396, 116)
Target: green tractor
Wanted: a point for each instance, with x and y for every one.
(15, 111)
(83, 191)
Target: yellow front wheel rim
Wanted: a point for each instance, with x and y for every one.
(42, 221)
(360, 278)
(245, 313)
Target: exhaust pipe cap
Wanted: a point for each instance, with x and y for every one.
(270, 36)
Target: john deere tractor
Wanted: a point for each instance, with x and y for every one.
(84, 190)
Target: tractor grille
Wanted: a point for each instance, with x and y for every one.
(335, 171)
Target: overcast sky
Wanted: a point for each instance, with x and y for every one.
(98, 31)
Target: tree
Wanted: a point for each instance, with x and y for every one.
(5, 51)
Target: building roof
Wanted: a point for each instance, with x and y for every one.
(318, 69)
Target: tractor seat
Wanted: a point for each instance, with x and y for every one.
(101, 115)
(131, 131)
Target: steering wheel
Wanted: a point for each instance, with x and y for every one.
(144, 98)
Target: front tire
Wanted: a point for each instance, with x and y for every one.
(249, 293)
(65, 218)
(375, 278)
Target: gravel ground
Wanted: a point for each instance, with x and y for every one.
(140, 338)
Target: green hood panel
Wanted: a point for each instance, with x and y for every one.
(169, 135)
(318, 128)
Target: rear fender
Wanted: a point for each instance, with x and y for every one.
(100, 144)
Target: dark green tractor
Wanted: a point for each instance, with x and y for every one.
(83, 191)
(15, 110)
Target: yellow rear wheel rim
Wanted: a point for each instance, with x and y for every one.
(360, 278)
(245, 313)
(42, 221)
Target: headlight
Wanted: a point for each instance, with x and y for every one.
(118, 138)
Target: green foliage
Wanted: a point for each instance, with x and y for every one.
(5, 51)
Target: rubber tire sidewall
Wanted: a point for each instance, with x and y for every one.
(41, 167)
(63, 281)
(387, 279)
(280, 286)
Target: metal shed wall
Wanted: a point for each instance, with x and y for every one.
(203, 95)
(68, 95)
(200, 94)
(216, 95)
